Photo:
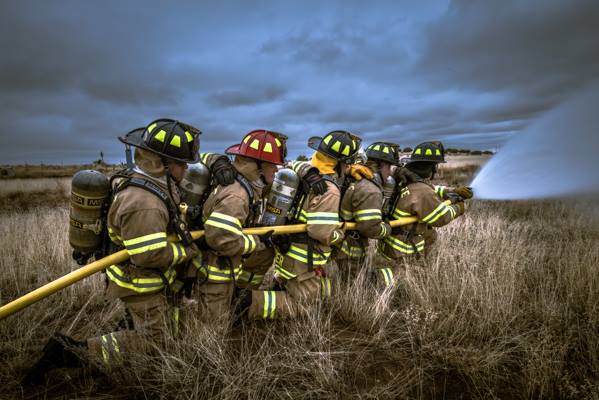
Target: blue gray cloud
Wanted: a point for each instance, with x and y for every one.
(74, 75)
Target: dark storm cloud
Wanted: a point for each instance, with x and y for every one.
(237, 97)
(74, 75)
(541, 50)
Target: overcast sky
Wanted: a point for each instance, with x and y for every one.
(74, 75)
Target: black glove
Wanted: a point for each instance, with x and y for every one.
(403, 176)
(316, 181)
(282, 242)
(454, 197)
(80, 257)
(201, 243)
(223, 171)
(266, 238)
(194, 213)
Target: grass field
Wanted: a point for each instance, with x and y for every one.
(507, 306)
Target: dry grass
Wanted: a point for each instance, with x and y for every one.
(506, 307)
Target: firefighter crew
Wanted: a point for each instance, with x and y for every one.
(300, 272)
(140, 221)
(416, 197)
(362, 203)
(230, 208)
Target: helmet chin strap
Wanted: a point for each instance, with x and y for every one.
(169, 177)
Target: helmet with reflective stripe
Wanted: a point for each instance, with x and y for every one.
(428, 151)
(262, 145)
(340, 145)
(168, 138)
(383, 151)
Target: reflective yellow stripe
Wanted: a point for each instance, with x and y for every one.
(249, 244)
(402, 246)
(325, 287)
(179, 253)
(204, 157)
(270, 304)
(397, 213)
(437, 213)
(113, 236)
(440, 190)
(139, 285)
(301, 255)
(224, 221)
(352, 251)
(284, 273)
(322, 218)
(217, 275)
(145, 238)
(368, 215)
(197, 261)
(145, 243)
(346, 215)
(387, 276)
(105, 351)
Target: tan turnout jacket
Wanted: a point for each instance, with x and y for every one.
(225, 213)
(418, 199)
(362, 204)
(321, 214)
(139, 221)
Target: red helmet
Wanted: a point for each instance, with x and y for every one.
(262, 145)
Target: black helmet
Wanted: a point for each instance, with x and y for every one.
(168, 138)
(428, 151)
(383, 151)
(340, 145)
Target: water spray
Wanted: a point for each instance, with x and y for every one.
(556, 156)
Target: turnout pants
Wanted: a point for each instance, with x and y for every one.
(302, 291)
(153, 318)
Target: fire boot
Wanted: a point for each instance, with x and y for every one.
(242, 306)
(58, 353)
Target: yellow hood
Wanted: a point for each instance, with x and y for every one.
(325, 164)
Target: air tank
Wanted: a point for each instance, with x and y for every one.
(388, 192)
(280, 197)
(194, 184)
(89, 191)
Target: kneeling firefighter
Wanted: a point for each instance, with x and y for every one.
(416, 196)
(300, 271)
(363, 202)
(231, 207)
(142, 213)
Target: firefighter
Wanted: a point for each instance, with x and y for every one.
(141, 216)
(300, 272)
(362, 203)
(229, 208)
(416, 197)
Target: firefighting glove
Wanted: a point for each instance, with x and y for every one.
(464, 191)
(223, 171)
(454, 197)
(267, 238)
(461, 207)
(194, 213)
(316, 181)
(404, 176)
(282, 242)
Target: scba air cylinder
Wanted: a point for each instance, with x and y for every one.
(89, 192)
(388, 192)
(194, 184)
(280, 198)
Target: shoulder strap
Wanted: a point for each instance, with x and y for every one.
(255, 209)
(178, 224)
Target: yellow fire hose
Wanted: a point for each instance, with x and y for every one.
(121, 256)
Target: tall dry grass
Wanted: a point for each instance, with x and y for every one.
(505, 307)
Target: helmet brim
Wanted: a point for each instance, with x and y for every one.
(314, 142)
(235, 150)
(135, 139)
